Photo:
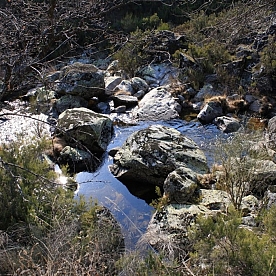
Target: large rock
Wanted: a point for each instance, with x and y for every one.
(78, 160)
(113, 69)
(209, 112)
(270, 199)
(249, 204)
(227, 124)
(168, 229)
(110, 83)
(180, 185)
(149, 155)
(158, 74)
(264, 175)
(126, 86)
(44, 95)
(68, 102)
(83, 127)
(84, 80)
(207, 91)
(214, 199)
(139, 84)
(128, 101)
(158, 104)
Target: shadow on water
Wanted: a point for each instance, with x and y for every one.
(130, 211)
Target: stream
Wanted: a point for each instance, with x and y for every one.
(102, 187)
(133, 213)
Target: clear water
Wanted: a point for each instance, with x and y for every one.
(131, 212)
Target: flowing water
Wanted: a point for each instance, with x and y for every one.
(131, 212)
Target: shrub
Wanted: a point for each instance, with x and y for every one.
(27, 184)
(150, 264)
(208, 55)
(238, 162)
(154, 23)
(268, 57)
(44, 230)
(161, 202)
(222, 246)
(163, 26)
(131, 56)
(151, 22)
(229, 24)
(130, 22)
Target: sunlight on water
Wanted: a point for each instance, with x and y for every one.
(131, 212)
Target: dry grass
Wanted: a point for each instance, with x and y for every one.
(66, 249)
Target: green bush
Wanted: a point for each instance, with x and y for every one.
(221, 246)
(268, 57)
(27, 184)
(153, 22)
(208, 55)
(229, 24)
(163, 26)
(238, 162)
(44, 230)
(150, 264)
(131, 56)
(130, 22)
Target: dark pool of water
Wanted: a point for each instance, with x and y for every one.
(131, 212)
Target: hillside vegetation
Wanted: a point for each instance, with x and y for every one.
(43, 231)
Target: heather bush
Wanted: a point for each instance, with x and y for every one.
(44, 230)
(238, 160)
(131, 56)
(222, 246)
(268, 58)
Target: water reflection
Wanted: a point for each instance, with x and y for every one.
(131, 212)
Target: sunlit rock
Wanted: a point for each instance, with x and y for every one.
(86, 128)
(84, 80)
(180, 185)
(227, 124)
(149, 155)
(158, 104)
(68, 102)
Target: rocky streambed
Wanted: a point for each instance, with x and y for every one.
(129, 204)
(122, 138)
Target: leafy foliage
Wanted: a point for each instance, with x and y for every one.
(27, 185)
(206, 56)
(161, 202)
(151, 264)
(227, 24)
